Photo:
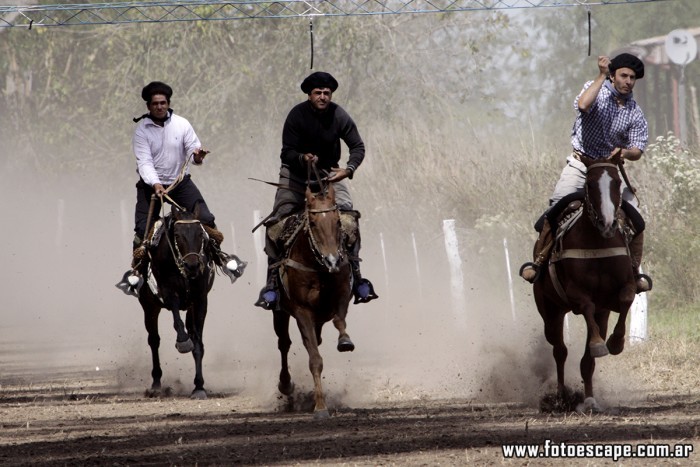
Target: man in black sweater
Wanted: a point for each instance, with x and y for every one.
(312, 133)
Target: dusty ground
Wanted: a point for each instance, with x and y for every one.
(59, 416)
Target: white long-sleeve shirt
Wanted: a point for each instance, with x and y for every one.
(161, 151)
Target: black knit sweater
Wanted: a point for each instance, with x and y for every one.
(309, 131)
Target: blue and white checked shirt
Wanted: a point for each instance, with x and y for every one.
(607, 126)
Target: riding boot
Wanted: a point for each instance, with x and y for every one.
(644, 283)
(269, 294)
(363, 290)
(531, 271)
(231, 265)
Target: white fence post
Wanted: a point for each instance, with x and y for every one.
(415, 258)
(386, 268)
(259, 243)
(456, 276)
(510, 278)
(638, 318)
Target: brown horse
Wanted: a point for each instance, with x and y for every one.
(316, 287)
(184, 275)
(591, 274)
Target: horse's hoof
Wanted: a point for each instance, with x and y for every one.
(184, 347)
(598, 350)
(152, 393)
(321, 414)
(199, 394)
(589, 405)
(616, 344)
(287, 389)
(345, 345)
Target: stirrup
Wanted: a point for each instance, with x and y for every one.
(364, 292)
(527, 275)
(233, 266)
(267, 299)
(643, 283)
(130, 283)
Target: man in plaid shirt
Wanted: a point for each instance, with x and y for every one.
(608, 121)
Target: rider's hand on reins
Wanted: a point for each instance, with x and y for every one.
(310, 158)
(616, 156)
(159, 190)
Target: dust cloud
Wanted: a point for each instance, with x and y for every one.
(66, 245)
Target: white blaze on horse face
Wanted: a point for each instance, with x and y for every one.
(607, 208)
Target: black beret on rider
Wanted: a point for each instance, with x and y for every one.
(626, 60)
(319, 79)
(156, 87)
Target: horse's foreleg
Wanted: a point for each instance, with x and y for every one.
(596, 343)
(587, 365)
(151, 322)
(183, 343)
(344, 342)
(616, 341)
(195, 326)
(281, 324)
(308, 335)
(554, 333)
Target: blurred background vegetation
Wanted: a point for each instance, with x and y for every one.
(465, 115)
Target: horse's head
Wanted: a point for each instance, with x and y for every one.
(323, 224)
(189, 242)
(603, 196)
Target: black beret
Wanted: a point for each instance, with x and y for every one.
(156, 87)
(319, 79)
(626, 60)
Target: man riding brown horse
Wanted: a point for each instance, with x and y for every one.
(311, 134)
(609, 123)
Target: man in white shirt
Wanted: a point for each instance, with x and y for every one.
(162, 144)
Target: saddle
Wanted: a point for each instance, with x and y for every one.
(564, 214)
(283, 232)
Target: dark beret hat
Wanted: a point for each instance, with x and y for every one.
(626, 60)
(156, 87)
(319, 79)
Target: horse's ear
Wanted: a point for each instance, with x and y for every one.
(196, 210)
(331, 191)
(309, 195)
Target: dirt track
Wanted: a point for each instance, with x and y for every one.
(62, 417)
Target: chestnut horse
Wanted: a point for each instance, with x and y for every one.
(184, 276)
(316, 287)
(591, 274)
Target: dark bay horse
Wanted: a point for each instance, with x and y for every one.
(184, 276)
(316, 287)
(591, 274)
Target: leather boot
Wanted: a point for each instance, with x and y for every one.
(269, 294)
(362, 289)
(268, 298)
(644, 283)
(531, 271)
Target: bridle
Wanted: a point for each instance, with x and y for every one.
(594, 215)
(313, 243)
(177, 254)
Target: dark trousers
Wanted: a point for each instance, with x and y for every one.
(186, 194)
